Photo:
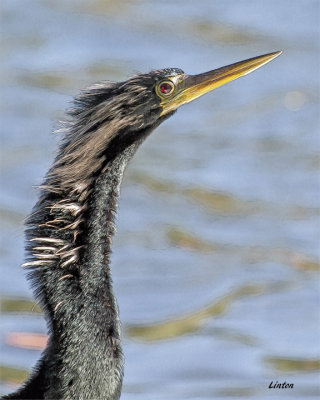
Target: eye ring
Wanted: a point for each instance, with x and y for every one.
(165, 88)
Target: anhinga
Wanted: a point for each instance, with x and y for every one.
(70, 229)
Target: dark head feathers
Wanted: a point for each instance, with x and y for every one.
(135, 87)
(106, 118)
(102, 112)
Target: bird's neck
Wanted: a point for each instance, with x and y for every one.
(70, 247)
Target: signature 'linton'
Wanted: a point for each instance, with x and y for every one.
(283, 385)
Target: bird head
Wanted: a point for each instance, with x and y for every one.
(108, 117)
(146, 99)
(162, 92)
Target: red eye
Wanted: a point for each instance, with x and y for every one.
(166, 88)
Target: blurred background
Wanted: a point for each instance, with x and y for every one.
(216, 256)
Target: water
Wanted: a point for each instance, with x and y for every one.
(216, 257)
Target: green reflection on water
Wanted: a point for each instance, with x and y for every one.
(8, 305)
(13, 375)
(236, 392)
(191, 323)
(293, 364)
(219, 32)
(251, 254)
(44, 80)
(184, 239)
(221, 203)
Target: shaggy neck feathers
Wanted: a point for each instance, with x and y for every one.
(69, 237)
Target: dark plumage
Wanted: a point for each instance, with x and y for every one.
(69, 236)
(70, 229)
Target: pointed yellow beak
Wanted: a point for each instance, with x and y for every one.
(189, 87)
